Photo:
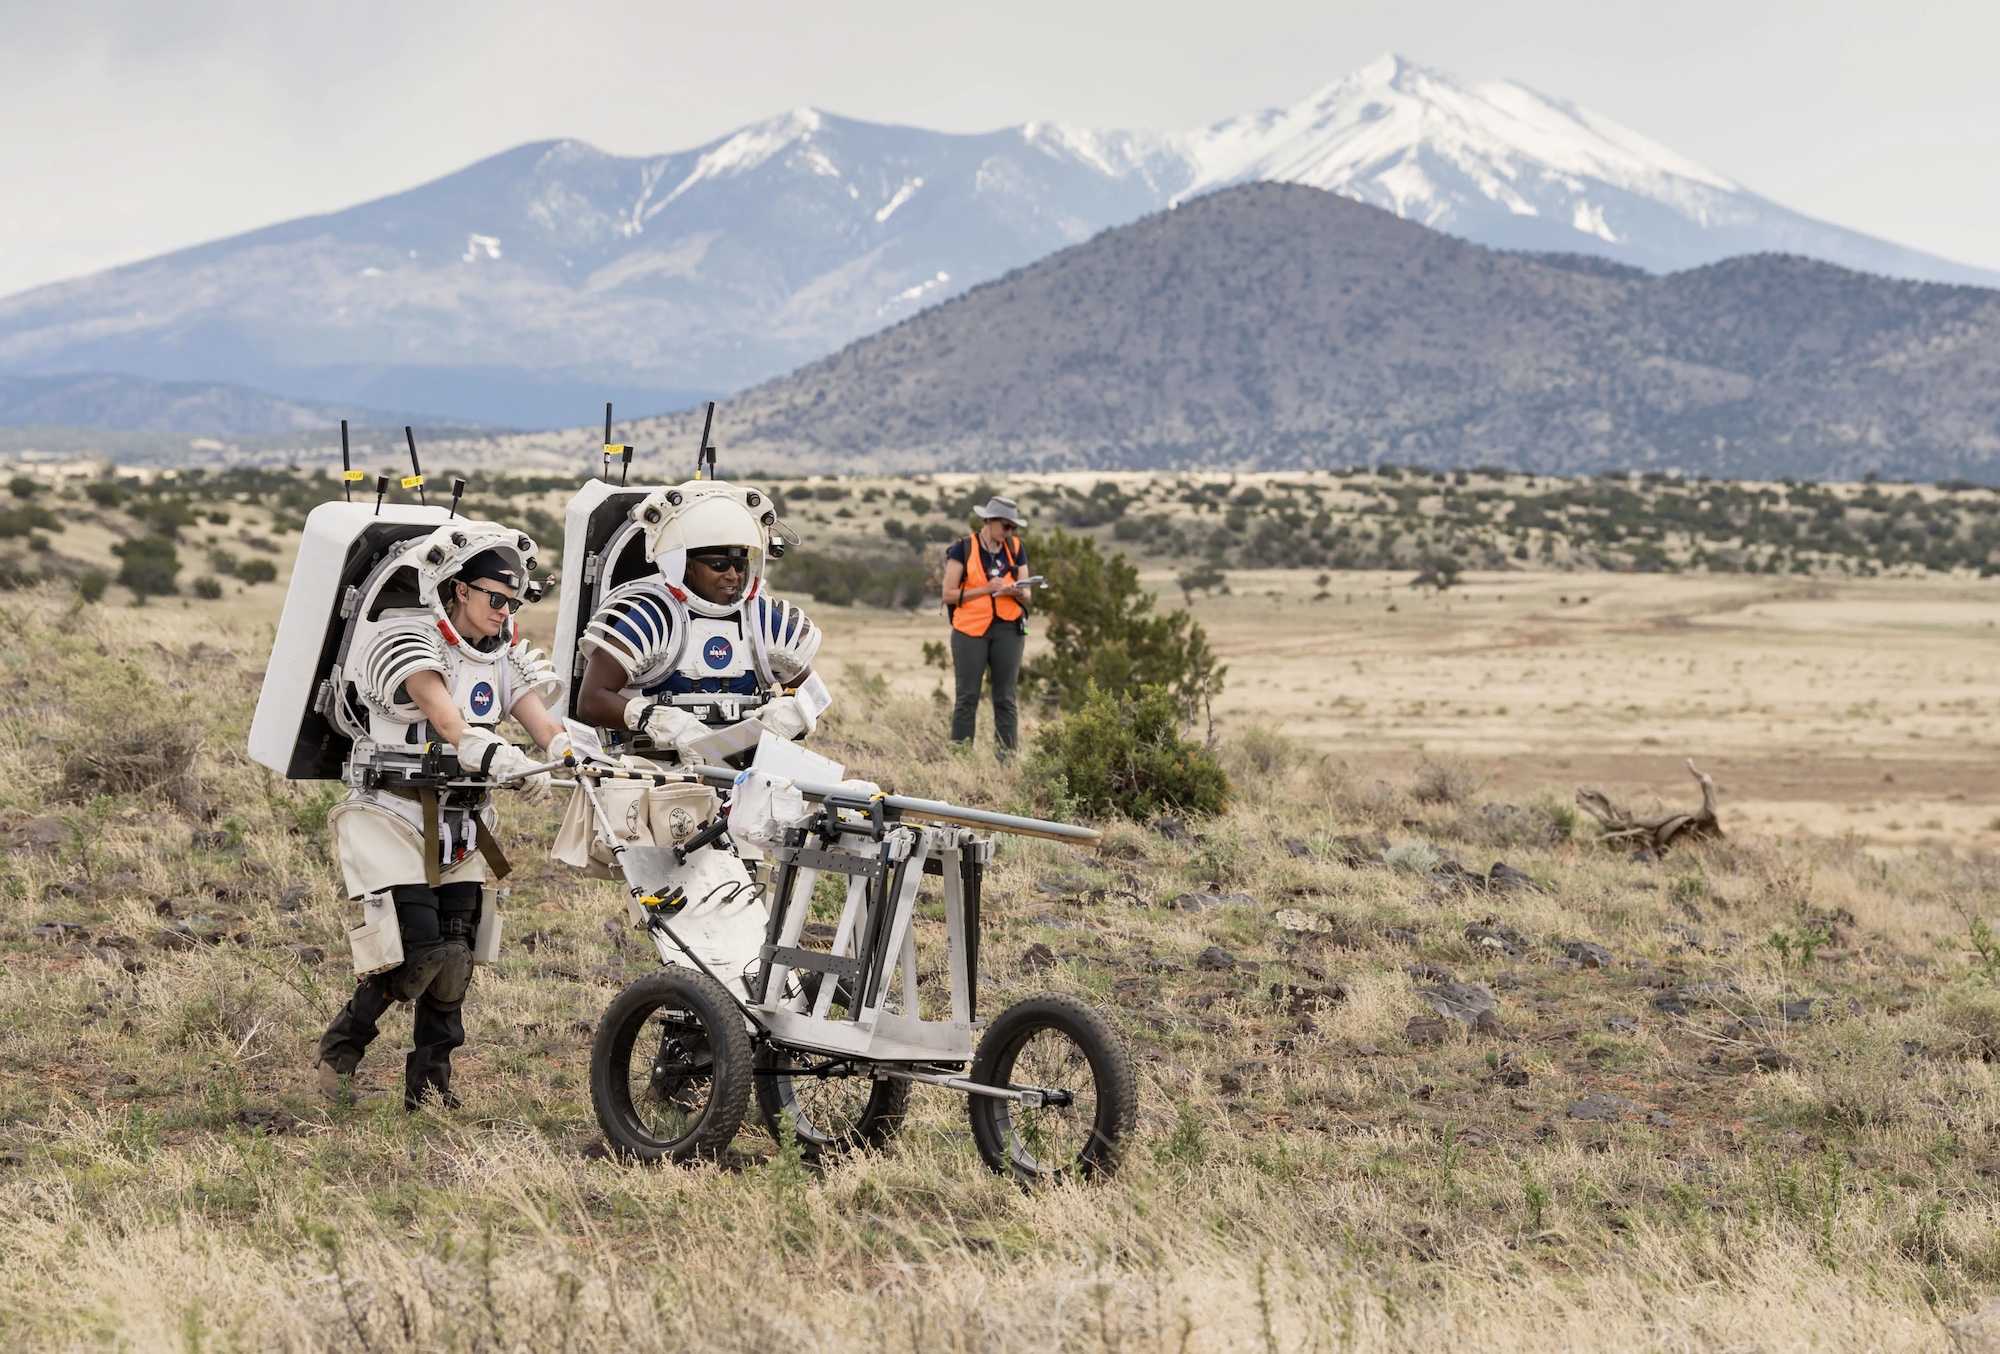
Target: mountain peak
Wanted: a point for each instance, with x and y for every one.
(1426, 144)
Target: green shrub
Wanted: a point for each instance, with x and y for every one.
(104, 493)
(1114, 752)
(256, 571)
(1101, 631)
(845, 580)
(166, 516)
(91, 583)
(22, 487)
(151, 562)
(222, 563)
(28, 517)
(208, 588)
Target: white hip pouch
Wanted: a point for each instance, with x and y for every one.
(378, 942)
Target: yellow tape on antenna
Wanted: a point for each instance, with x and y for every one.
(354, 476)
(412, 481)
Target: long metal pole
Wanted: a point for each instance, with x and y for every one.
(936, 811)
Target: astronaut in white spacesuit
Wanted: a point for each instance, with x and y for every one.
(444, 670)
(701, 646)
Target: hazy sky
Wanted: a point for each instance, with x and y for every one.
(133, 127)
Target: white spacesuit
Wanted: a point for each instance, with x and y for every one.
(692, 651)
(690, 661)
(432, 657)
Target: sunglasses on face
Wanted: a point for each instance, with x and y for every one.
(721, 564)
(499, 601)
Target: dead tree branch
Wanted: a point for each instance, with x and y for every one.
(1659, 833)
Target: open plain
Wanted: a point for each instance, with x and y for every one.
(1424, 1062)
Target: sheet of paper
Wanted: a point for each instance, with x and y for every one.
(782, 757)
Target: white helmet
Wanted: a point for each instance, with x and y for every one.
(441, 555)
(708, 515)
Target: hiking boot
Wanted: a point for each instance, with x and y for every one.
(335, 1087)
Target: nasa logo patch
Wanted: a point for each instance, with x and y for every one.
(717, 652)
(482, 698)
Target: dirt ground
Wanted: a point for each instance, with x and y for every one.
(1820, 707)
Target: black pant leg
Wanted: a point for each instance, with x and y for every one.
(354, 1029)
(439, 1021)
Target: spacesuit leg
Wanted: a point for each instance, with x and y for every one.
(353, 1030)
(439, 1026)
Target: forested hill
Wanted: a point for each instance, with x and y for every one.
(1279, 326)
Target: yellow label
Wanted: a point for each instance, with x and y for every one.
(412, 481)
(354, 476)
(613, 450)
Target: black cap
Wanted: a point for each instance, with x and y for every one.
(490, 565)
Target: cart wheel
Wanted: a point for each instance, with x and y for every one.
(830, 1115)
(670, 1071)
(1054, 1042)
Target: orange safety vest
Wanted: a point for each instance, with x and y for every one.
(973, 615)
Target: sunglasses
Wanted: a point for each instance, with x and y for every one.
(721, 564)
(497, 600)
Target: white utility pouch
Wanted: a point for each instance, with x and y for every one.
(761, 808)
(378, 942)
(486, 940)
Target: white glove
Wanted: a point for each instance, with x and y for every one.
(668, 726)
(482, 752)
(787, 717)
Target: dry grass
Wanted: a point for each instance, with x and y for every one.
(1301, 1181)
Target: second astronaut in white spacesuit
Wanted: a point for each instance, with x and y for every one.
(700, 645)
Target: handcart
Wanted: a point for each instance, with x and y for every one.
(830, 1031)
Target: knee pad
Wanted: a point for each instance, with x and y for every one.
(443, 970)
(454, 975)
(420, 969)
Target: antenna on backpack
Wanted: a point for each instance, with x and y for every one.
(705, 453)
(457, 492)
(415, 479)
(381, 488)
(349, 476)
(614, 449)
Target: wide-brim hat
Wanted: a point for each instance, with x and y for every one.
(1005, 509)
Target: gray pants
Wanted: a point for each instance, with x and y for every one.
(1000, 650)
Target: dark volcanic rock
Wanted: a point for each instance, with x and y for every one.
(1587, 954)
(1463, 1002)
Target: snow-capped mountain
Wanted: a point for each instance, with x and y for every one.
(533, 285)
(1495, 162)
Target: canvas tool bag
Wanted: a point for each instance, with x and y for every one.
(641, 815)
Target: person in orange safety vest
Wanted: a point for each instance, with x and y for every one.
(983, 573)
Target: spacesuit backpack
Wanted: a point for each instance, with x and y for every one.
(363, 614)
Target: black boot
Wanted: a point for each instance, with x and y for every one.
(426, 1076)
(349, 1036)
